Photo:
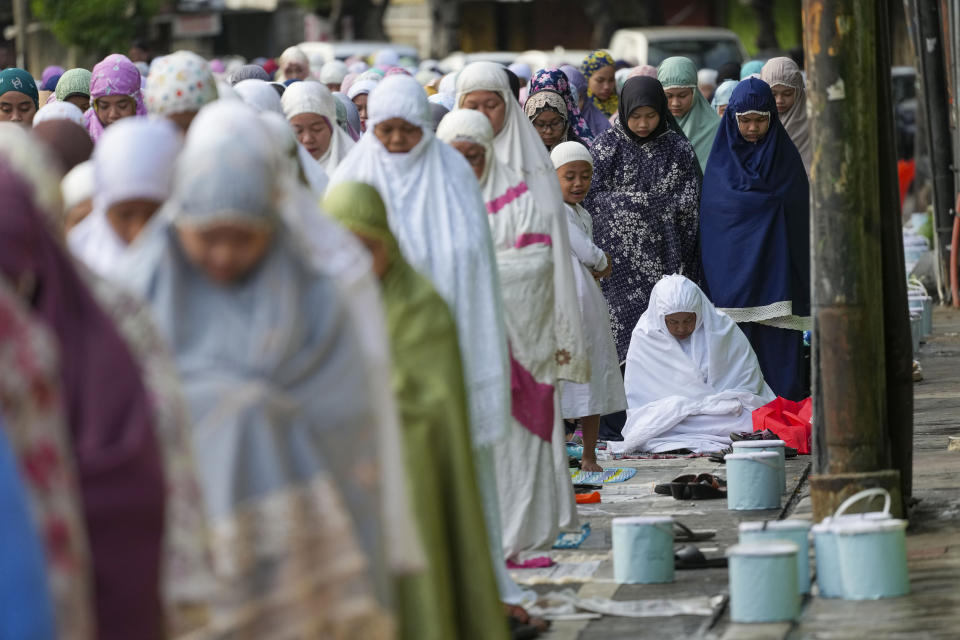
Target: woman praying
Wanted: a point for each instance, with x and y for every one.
(129, 188)
(312, 112)
(114, 94)
(754, 229)
(692, 111)
(456, 597)
(599, 69)
(692, 378)
(532, 480)
(294, 512)
(644, 198)
(786, 82)
(19, 98)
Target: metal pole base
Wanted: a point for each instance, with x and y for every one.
(828, 491)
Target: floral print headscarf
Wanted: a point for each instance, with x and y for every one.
(590, 65)
(555, 80)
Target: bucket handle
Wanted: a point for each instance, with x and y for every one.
(861, 495)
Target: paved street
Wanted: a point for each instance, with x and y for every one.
(931, 611)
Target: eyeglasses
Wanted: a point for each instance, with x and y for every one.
(556, 125)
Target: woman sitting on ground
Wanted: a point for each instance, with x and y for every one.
(692, 378)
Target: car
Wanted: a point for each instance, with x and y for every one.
(344, 49)
(708, 47)
(554, 58)
(458, 60)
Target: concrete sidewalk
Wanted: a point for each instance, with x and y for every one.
(931, 611)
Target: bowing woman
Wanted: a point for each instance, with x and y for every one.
(755, 225)
(644, 197)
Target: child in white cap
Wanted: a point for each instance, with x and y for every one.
(604, 393)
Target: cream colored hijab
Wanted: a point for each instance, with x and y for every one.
(784, 71)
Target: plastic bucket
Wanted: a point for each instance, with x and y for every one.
(826, 549)
(767, 445)
(795, 531)
(763, 582)
(873, 558)
(753, 480)
(643, 550)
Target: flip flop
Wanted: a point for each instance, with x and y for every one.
(705, 486)
(690, 557)
(686, 534)
(664, 489)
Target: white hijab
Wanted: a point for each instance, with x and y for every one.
(716, 372)
(519, 147)
(134, 159)
(313, 97)
(437, 214)
(259, 94)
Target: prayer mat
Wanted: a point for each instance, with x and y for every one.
(619, 474)
(572, 540)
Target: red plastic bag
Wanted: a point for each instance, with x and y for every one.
(789, 420)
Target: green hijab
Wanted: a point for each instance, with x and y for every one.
(74, 82)
(456, 597)
(701, 122)
(14, 79)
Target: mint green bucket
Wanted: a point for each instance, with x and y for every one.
(745, 446)
(763, 582)
(873, 558)
(753, 480)
(795, 531)
(830, 582)
(643, 550)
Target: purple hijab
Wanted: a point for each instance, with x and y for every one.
(109, 416)
(594, 118)
(115, 75)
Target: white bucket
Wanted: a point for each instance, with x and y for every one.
(795, 531)
(753, 480)
(778, 446)
(763, 582)
(873, 558)
(829, 577)
(643, 550)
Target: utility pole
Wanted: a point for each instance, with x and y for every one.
(20, 21)
(898, 345)
(851, 440)
(925, 20)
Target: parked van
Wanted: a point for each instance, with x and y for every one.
(707, 46)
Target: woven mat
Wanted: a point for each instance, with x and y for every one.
(617, 474)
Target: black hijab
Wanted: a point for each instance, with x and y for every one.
(514, 83)
(728, 71)
(645, 91)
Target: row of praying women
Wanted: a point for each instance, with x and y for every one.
(260, 415)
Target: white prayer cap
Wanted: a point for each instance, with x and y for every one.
(333, 72)
(567, 152)
(309, 97)
(60, 111)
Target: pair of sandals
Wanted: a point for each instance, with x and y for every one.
(721, 456)
(704, 486)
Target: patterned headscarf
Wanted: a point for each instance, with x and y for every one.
(590, 65)
(115, 75)
(555, 80)
(14, 79)
(179, 82)
(73, 82)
